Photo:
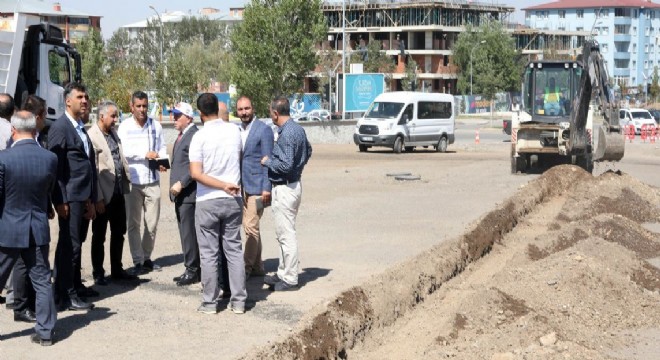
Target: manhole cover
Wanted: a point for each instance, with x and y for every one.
(399, 174)
(407, 177)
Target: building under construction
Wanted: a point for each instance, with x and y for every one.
(426, 30)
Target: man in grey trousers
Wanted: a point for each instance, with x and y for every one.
(215, 155)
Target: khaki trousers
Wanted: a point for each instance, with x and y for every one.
(142, 204)
(286, 201)
(252, 248)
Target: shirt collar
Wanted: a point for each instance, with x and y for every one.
(187, 128)
(76, 123)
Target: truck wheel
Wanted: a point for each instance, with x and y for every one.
(363, 148)
(442, 145)
(398, 145)
(518, 164)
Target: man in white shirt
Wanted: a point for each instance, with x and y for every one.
(215, 155)
(143, 143)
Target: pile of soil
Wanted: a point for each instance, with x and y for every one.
(562, 269)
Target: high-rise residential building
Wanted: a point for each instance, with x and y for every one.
(628, 32)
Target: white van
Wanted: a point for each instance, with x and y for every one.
(637, 118)
(402, 120)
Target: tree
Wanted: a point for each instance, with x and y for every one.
(409, 80)
(93, 64)
(122, 82)
(119, 48)
(273, 48)
(654, 89)
(191, 70)
(497, 65)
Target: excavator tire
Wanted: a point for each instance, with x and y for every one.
(611, 146)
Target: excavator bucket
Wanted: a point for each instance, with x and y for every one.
(610, 145)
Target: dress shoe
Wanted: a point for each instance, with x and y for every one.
(123, 275)
(26, 315)
(138, 269)
(177, 278)
(188, 279)
(85, 291)
(100, 280)
(35, 338)
(150, 266)
(76, 303)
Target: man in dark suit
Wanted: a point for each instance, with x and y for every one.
(28, 174)
(258, 141)
(73, 196)
(183, 192)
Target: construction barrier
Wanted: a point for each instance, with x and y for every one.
(643, 132)
(476, 137)
(653, 133)
(630, 132)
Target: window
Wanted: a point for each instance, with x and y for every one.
(562, 14)
(646, 48)
(634, 48)
(634, 64)
(646, 64)
(603, 48)
(634, 31)
(580, 13)
(58, 66)
(604, 30)
(635, 14)
(433, 110)
(527, 14)
(647, 31)
(579, 28)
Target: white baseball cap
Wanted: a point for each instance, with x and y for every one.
(183, 108)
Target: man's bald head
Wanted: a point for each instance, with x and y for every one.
(223, 113)
(6, 106)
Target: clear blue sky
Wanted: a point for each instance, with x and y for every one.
(121, 12)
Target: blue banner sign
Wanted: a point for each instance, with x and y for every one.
(361, 90)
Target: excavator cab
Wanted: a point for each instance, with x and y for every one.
(549, 90)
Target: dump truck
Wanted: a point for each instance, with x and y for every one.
(35, 59)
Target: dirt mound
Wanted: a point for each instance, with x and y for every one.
(559, 270)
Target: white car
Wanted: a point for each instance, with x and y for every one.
(324, 115)
(636, 117)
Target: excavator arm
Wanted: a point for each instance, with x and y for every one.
(595, 82)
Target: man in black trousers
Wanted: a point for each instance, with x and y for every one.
(27, 176)
(73, 196)
(183, 192)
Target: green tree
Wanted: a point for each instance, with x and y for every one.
(654, 89)
(191, 70)
(122, 81)
(497, 65)
(119, 49)
(409, 80)
(273, 48)
(93, 64)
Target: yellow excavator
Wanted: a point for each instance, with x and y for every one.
(563, 105)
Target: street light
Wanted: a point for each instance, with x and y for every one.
(160, 21)
(472, 53)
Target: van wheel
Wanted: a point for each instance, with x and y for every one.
(363, 148)
(410, 148)
(398, 145)
(442, 145)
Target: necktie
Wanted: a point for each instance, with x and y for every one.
(179, 137)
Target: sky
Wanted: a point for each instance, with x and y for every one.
(122, 12)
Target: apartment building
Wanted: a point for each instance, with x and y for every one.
(628, 32)
(428, 30)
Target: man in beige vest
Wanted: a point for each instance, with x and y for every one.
(113, 183)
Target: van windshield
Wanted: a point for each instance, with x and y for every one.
(384, 110)
(641, 115)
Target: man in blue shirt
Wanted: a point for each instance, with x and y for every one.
(285, 166)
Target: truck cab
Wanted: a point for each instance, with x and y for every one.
(35, 59)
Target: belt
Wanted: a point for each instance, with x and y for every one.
(284, 182)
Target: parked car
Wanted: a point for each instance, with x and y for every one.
(656, 115)
(324, 115)
(636, 117)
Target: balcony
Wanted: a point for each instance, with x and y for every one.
(622, 55)
(622, 37)
(622, 20)
(621, 72)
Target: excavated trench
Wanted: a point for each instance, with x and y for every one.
(610, 207)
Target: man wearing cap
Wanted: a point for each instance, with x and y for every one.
(183, 193)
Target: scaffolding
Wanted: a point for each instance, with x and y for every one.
(403, 13)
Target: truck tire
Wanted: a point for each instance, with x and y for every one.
(363, 148)
(518, 164)
(442, 144)
(398, 145)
